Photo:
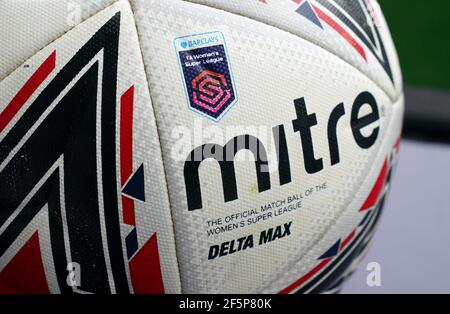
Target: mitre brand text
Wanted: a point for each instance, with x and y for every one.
(225, 155)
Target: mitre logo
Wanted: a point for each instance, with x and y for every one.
(206, 74)
(365, 127)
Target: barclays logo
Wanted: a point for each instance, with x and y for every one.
(199, 42)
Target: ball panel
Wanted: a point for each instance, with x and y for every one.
(356, 31)
(28, 26)
(80, 152)
(276, 74)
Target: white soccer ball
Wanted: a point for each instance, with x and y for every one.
(202, 146)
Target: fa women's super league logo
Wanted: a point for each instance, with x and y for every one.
(210, 91)
(206, 73)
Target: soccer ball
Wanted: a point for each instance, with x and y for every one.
(201, 146)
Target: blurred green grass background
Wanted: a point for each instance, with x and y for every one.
(421, 31)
